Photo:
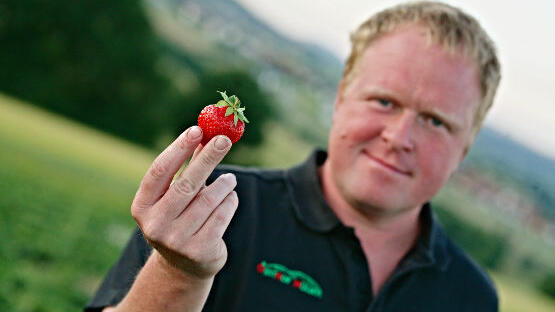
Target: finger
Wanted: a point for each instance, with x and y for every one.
(193, 177)
(160, 174)
(220, 218)
(195, 153)
(206, 201)
(197, 150)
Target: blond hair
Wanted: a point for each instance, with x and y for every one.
(446, 25)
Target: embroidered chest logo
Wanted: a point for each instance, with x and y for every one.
(297, 279)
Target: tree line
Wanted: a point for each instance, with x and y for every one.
(96, 61)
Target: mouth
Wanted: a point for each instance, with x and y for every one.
(388, 166)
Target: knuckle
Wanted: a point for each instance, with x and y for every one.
(217, 254)
(137, 212)
(221, 250)
(193, 252)
(186, 143)
(220, 218)
(195, 217)
(183, 144)
(185, 186)
(152, 232)
(174, 240)
(206, 200)
(158, 169)
(208, 159)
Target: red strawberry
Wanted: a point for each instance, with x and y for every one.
(225, 117)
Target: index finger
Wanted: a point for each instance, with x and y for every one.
(159, 175)
(193, 177)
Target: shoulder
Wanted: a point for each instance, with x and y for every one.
(470, 277)
(260, 191)
(253, 181)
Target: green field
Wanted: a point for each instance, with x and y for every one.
(64, 209)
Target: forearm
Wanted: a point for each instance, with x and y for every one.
(161, 287)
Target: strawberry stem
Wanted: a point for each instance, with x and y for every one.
(233, 107)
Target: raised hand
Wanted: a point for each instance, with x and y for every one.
(185, 220)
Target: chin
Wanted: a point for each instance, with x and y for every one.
(370, 200)
(377, 207)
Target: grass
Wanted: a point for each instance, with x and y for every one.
(64, 209)
(516, 296)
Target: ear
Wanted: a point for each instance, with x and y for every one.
(460, 159)
(339, 95)
(464, 152)
(469, 143)
(462, 155)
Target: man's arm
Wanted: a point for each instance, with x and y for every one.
(162, 287)
(184, 222)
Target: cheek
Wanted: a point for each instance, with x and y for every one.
(353, 124)
(436, 161)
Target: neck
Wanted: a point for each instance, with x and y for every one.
(384, 237)
(374, 230)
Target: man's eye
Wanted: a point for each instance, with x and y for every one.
(384, 103)
(436, 122)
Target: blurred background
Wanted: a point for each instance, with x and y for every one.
(91, 91)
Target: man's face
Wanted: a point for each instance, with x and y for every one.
(402, 126)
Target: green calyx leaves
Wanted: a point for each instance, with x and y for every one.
(233, 107)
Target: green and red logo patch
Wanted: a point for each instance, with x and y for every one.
(297, 279)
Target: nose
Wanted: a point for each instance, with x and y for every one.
(399, 132)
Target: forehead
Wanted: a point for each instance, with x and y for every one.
(407, 63)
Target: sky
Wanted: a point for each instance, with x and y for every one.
(524, 32)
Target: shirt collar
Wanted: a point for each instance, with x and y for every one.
(312, 210)
(309, 204)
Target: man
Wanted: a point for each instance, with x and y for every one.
(351, 230)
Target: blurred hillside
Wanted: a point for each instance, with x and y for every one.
(532, 173)
(300, 77)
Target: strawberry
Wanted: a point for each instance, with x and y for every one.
(225, 117)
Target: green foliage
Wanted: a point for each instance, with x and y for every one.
(259, 105)
(547, 285)
(487, 248)
(96, 61)
(91, 60)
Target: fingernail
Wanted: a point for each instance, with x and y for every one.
(222, 142)
(194, 133)
(230, 176)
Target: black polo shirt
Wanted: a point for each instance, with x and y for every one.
(287, 251)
